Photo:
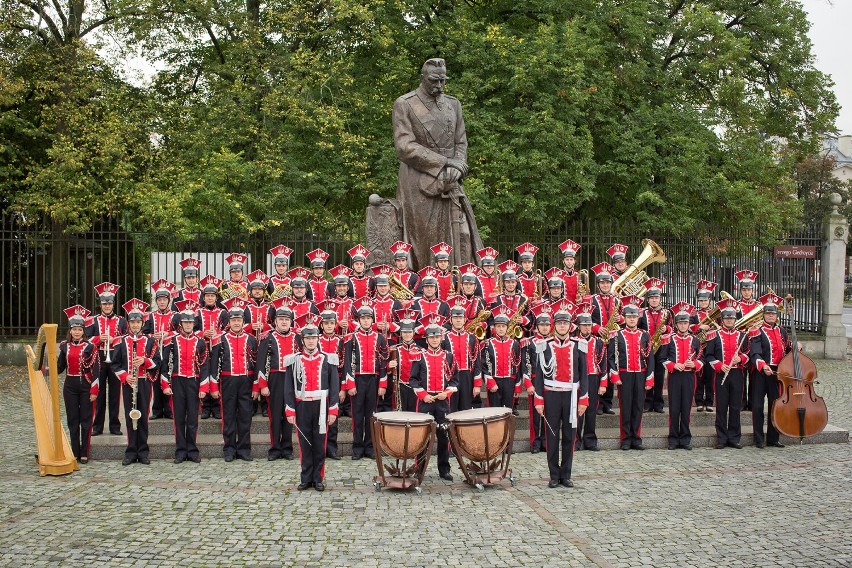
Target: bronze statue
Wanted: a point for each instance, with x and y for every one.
(431, 143)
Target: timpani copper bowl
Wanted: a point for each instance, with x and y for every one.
(482, 440)
(406, 438)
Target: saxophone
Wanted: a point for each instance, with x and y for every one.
(516, 330)
(473, 325)
(612, 322)
(657, 338)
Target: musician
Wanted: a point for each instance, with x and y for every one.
(401, 270)
(605, 318)
(332, 344)
(501, 361)
(655, 320)
(191, 291)
(162, 324)
(136, 362)
(385, 306)
(629, 352)
(462, 345)
(747, 303)
(469, 285)
(541, 315)
(258, 321)
(704, 388)
(529, 282)
(236, 270)
(281, 261)
(618, 254)
(300, 303)
(596, 365)
(560, 380)
(212, 319)
(271, 356)
(183, 368)
(441, 271)
(342, 297)
(362, 283)
(311, 394)
(365, 367)
(104, 331)
(429, 303)
(434, 380)
(488, 278)
(575, 283)
(727, 353)
(232, 369)
(318, 284)
(769, 344)
(407, 354)
(509, 295)
(555, 286)
(78, 359)
(683, 362)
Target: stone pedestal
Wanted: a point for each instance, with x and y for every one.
(832, 283)
(383, 228)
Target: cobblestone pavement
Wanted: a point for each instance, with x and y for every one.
(771, 507)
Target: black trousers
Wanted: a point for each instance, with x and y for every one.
(729, 400)
(311, 443)
(439, 410)
(463, 398)
(704, 387)
(280, 431)
(363, 408)
(78, 412)
(654, 399)
(210, 403)
(110, 389)
(504, 395)
(408, 399)
(750, 373)
(185, 405)
(586, 423)
(385, 403)
(160, 405)
(536, 426)
(137, 440)
(557, 410)
(681, 391)
(605, 401)
(235, 401)
(631, 401)
(767, 388)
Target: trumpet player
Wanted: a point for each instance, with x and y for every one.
(769, 344)
(212, 320)
(528, 280)
(605, 319)
(281, 262)
(727, 354)
(361, 283)
(463, 347)
(655, 320)
(258, 317)
(191, 290)
(501, 361)
(684, 361)
(704, 389)
(401, 269)
(385, 305)
(331, 344)
(104, 331)
(342, 298)
(162, 324)
(136, 363)
(509, 295)
(300, 303)
(488, 278)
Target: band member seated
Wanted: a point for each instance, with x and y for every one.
(212, 320)
(655, 320)
(401, 270)
(596, 364)
(462, 345)
(78, 359)
(683, 362)
(560, 381)
(331, 343)
(407, 354)
(136, 363)
(162, 324)
(488, 278)
(629, 351)
(311, 394)
(362, 283)
(769, 344)
(541, 314)
(271, 356)
(184, 365)
(232, 368)
(704, 389)
(317, 284)
(747, 303)
(727, 354)
(606, 308)
(434, 381)
(529, 282)
(576, 284)
(501, 361)
(104, 331)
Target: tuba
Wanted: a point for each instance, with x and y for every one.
(399, 290)
(753, 318)
(631, 282)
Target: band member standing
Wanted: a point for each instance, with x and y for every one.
(655, 320)
(318, 284)
(362, 283)
(332, 344)
(271, 366)
(104, 332)
(561, 385)
(136, 363)
(683, 362)
(408, 353)
(184, 365)
(509, 295)
(489, 278)
(191, 291)
(555, 286)
(727, 354)
(596, 364)
(542, 314)
(212, 320)
(576, 284)
(162, 324)
(311, 393)
(746, 279)
(341, 295)
(385, 305)
(462, 345)
(769, 344)
(300, 303)
(441, 272)
(429, 303)
(78, 359)
(434, 381)
(618, 254)
(605, 318)
(401, 269)
(236, 275)
(279, 278)
(365, 361)
(501, 361)
(704, 389)
(471, 288)
(629, 352)
(232, 368)
(258, 321)
(530, 283)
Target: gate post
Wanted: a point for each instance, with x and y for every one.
(832, 282)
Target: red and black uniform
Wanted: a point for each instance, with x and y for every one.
(318, 289)
(183, 369)
(261, 312)
(408, 354)
(602, 309)
(123, 353)
(596, 365)
(410, 279)
(109, 386)
(276, 281)
(745, 308)
(704, 387)
(193, 294)
(528, 347)
(561, 383)
(79, 361)
(769, 344)
(210, 318)
(464, 349)
(343, 308)
(488, 285)
(651, 320)
(529, 284)
(332, 345)
(571, 278)
(361, 286)
(721, 347)
(629, 352)
(364, 364)
(385, 308)
(311, 390)
(682, 348)
(428, 307)
(300, 308)
(446, 282)
(166, 322)
(501, 363)
(232, 370)
(433, 374)
(271, 368)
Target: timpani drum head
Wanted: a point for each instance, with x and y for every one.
(478, 414)
(482, 433)
(404, 435)
(404, 417)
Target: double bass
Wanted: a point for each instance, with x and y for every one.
(799, 412)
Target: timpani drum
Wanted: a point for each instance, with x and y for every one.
(406, 438)
(482, 440)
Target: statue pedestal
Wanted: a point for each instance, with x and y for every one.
(383, 228)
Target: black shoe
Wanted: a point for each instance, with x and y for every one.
(760, 445)
(332, 456)
(735, 445)
(272, 457)
(144, 461)
(777, 445)
(600, 412)
(155, 417)
(168, 416)
(370, 455)
(672, 446)
(567, 483)
(205, 413)
(535, 450)
(84, 460)
(554, 483)
(593, 448)
(625, 447)
(356, 457)
(245, 458)
(254, 411)
(194, 459)
(128, 461)
(578, 448)
(515, 412)
(217, 414)
(288, 457)
(659, 411)
(609, 411)
(180, 459)
(448, 476)
(265, 413)
(303, 486)
(229, 458)
(639, 447)
(97, 432)
(319, 486)
(687, 447)
(115, 432)
(699, 409)
(720, 446)
(647, 409)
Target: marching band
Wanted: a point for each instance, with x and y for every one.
(312, 343)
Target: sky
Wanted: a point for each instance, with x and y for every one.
(830, 20)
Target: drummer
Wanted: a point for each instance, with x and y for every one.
(434, 378)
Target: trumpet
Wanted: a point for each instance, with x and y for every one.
(455, 276)
(134, 413)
